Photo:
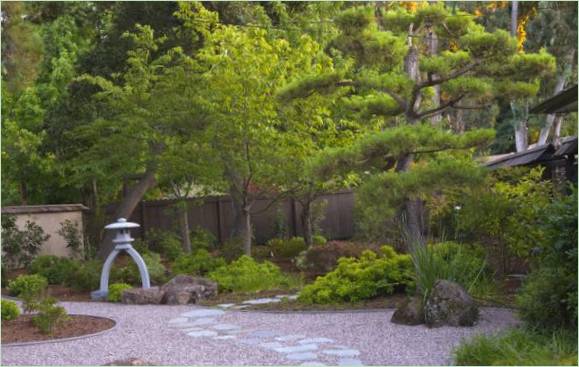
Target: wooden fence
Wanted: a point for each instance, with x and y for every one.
(216, 215)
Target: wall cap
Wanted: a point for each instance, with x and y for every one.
(34, 209)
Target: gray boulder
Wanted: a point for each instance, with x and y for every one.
(450, 304)
(409, 312)
(184, 289)
(142, 296)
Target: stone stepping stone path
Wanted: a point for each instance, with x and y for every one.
(297, 349)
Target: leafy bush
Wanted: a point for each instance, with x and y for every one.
(87, 276)
(130, 273)
(321, 259)
(198, 263)
(71, 233)
(232, 249)
(361, 278)
(166, 243)
(49, 316)
(116, 291)
(319, 240)
(57, 270)
(548, 298)
(30, 288)
(261, 252)
(519, 347)
(287, 248)
(10, 310)
(247, 275)
(20, 246)
(202, 239)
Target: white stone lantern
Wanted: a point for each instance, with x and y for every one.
(122, 242)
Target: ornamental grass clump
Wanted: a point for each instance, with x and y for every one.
(247, 275)
(50, 316)
(355, 279)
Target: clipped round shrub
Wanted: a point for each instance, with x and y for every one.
(319, 260)
(28, 285)
(55, 269)
(319, 240)
(287, 248)
(247, 275)
(87, 276)
(10, 310)
(116, 291)
(199, 263)
(371, 275)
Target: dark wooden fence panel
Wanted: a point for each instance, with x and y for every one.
(215, 214)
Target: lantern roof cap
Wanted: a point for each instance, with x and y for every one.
(122, 223)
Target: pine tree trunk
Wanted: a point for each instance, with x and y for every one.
(544, 134)
(127, 206)
(307, 224)
(521, 136)
(184, 227)
(557, 134)
(514, 16)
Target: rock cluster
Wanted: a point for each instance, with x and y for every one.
(181, 290)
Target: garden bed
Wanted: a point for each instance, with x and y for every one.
(22, 330)
(62, 293)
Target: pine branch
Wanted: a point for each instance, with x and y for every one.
(441, 108)
(432, 82)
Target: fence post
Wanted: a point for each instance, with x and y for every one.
(219, 220)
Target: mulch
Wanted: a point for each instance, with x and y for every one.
(22, 330)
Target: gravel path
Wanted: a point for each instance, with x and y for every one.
(192, 335)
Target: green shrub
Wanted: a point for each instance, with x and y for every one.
(202, 239)
(130, 273)
(166, 243)
(261, 252)
(319, 240)
(548, 298)
(30, 288)
(198, 263)
(247, 275)
(287, 248)
(87, 276)
(116, 291)
(71, 233)
(49, 316)
(20, 246)
(519, 347)
(356, 279)
(463, 264)
(10, 310)
(319, 260)
(232, 249)
(55, 269)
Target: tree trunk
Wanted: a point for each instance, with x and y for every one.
(432, 51)
(412, 213)
(184, 227)
(514, 16)
(242, 221)
(544, 135)
(127, 206)
(307, 224)
(23, 193)
(521, 136)
(557, 133)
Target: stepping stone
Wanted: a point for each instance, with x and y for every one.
(261, 301)
(203, 313)
(226, 305)
(301, 356)
(263, 334)
(282, 295)
(239, 307)
(183, 325)
(312, 363)
(271, 345)
(204, 321)
(224, 337)
(297, 348)
(316, 340)
(350, 362)
(193, 329)
(342, 352)
(224, 327)
(293, 297)
(202, 333)
(289, 338)
(178, 320)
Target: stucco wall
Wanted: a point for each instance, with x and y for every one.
(50, 221)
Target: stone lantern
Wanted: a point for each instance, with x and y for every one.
(122, 242)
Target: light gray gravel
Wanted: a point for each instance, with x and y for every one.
(144, 332)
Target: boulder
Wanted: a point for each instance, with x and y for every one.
(409, 312)
(184, 289)
(450, 304)
(142, 296)
(130, 362)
